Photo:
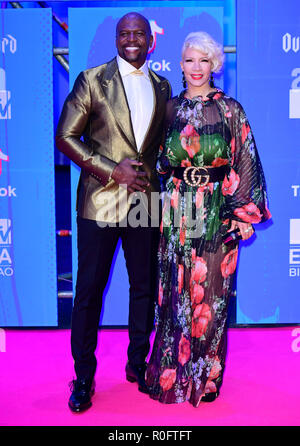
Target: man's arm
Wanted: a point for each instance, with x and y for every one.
(71, 126)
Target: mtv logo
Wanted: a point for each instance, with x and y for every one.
(295, 231)
(5, 231)
(294, 103)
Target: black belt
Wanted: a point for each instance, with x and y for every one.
(200, 176)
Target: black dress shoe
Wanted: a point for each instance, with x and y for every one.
(136, 373)
(210, 397)
(82, 391)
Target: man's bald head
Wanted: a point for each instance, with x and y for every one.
(133, 15)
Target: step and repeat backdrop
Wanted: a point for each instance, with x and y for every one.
(268, 87)
(28, 294)
(170, 26)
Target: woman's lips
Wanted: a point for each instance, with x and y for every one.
(196, 77)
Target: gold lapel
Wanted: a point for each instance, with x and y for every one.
(114, 92)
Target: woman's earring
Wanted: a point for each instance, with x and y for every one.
(183, 80)
(211, 81)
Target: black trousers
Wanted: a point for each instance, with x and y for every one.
(96, 247)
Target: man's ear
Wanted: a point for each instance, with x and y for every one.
(151, 41)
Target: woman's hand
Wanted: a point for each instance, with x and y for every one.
(245, 229)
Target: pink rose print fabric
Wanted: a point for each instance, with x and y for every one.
(196, 269)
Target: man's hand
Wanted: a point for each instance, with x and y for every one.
(246, 229)
(124, 173)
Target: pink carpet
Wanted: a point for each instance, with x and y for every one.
(261, 383)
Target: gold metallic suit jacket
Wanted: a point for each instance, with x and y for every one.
(95, 132)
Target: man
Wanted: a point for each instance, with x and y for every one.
(120, 113)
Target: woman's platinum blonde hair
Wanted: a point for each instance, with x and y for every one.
(203, 42)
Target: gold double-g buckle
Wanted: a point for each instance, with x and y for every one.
(193, 177)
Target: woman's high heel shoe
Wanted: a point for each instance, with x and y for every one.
(210, 397)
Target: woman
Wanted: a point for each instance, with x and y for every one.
(204, 128)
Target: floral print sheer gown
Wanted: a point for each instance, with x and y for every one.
(196, 268)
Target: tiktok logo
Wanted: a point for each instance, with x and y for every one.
(155, 29)
(162, 65)
(3, 157)
(8, 191)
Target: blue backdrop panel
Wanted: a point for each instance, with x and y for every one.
(268, 82)
(96, 45)
(28, 295)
